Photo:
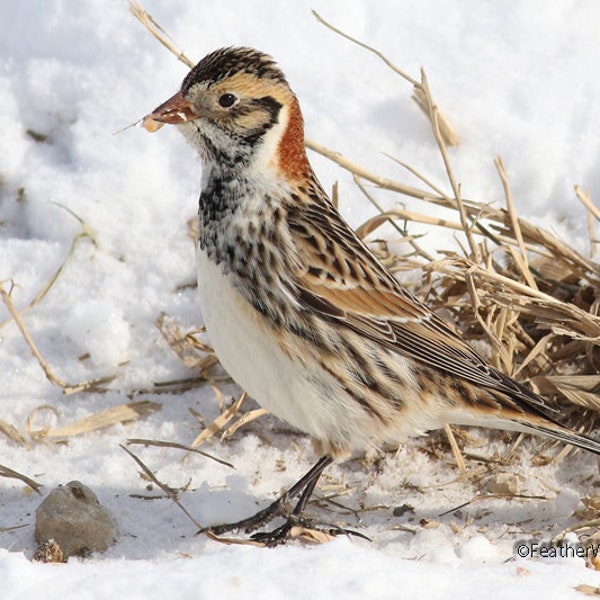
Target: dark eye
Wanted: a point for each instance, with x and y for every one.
(227, 100)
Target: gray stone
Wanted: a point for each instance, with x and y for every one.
(72, 516)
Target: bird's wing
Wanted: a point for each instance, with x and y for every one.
(341, 279)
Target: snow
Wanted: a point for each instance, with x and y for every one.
(518, 81)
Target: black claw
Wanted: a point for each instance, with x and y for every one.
(352, 532)
(274, 538)
(281, 508)
(282, 534)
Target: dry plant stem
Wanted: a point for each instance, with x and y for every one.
(407, 215)
(16, 315)
(416, 247)
(186, 346)
(366, 47)
(537, 353)
(514, 221)
(564, 452)
(363, 173)
(499, 357)
(170, 492)
(14, 527)
(228, 541)
(586, 200)
(220, 421)
(448, 132)
(592, 234)
(123, 413)
(593, 215)
(559, 249)
(480, 497)
(12, 433)
(460, 461)
(523, 267)
(335, 194)
(8, 472)
(588, 590)
(417, 174)
(177, 446)
(85, 233)
(40, 433)
(244, 420)
(549, 245)
(398, 214)
(158, 32)
(67, 388)
(434, 117)
(526, 291)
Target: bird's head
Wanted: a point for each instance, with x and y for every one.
(236, 107)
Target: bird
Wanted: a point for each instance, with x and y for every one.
(300, 312)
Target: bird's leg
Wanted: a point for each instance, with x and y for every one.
(280, 508)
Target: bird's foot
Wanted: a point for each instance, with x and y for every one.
(296, 524)
(297, 527)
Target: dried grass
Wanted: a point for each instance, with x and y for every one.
(421, 94)
(85, 233)
(189, 449)
(221, 421)
(123, 413)
(12, 474)
(193, 353)
(169, 491)
(6, 295)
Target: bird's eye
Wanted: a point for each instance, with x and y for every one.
(227, 100)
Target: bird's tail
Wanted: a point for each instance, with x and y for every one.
(535, 424)
(561, 434)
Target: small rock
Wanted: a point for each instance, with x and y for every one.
(72, 516)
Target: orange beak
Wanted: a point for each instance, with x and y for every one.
(174, 111)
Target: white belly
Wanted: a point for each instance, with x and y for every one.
(252, 356)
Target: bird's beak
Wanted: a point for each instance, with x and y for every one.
(175, 111)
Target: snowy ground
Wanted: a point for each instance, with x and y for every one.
(519, 81)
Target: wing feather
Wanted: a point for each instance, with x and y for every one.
(346, 282)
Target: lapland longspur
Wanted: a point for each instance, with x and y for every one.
(300, 312)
